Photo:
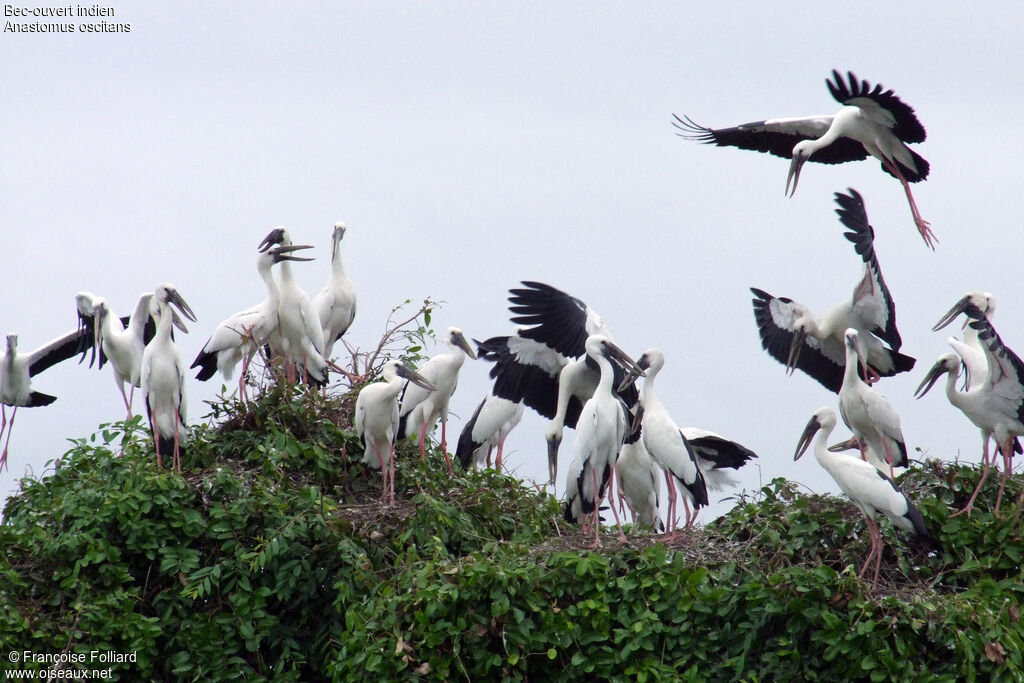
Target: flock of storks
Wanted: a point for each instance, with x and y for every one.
(561, 360)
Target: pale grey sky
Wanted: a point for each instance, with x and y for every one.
(470, 146)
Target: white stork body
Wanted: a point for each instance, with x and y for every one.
(795, 337)
(336, 302)
(868, 414)
(868, 489)
(163, 376)
(18, 369)
(376, 419)
(422, 408)
(640, 482)
(870, 123)
(665, 442)
(240, 336)
(490, 424)
(124, 346)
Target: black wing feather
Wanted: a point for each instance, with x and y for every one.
(907, 127)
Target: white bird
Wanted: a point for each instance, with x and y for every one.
(868, 414)
(1004, 386)
(792, 335)
(240, 337)
(299, 331)
(18, 369)
(665, 442)
(970, 350)
(545, 364)
(640, 482)
(336, 302)
(490, 424)
(163, 376)
(376, 419)
(716, 455)
(421, 407)
(871, 122)
(600, 433)
(868, 489)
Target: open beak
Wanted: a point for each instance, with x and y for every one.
(638, 419)
(799, 337)
(284, 253)
(794, 174)
(805, 439)
(275, 236)
(848, 445)
(623, 359)
(958, 308)
(181, 305)
(937, 371)
(553, 444)
(415, 377)
(460, 339)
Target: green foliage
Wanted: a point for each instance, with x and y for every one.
(272, 558)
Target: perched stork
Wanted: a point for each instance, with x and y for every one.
(18, 369)
(336, 302)
(667, 445)
(299, 331)
(600, 433)
(1004, 384)
(792, 335)
(867, 413)
(970, 350)
(639, 481)
(239, 337)
(421, 407)
(492, 420)
(871, 122)
(716, 455)
(163, 376)
(376, 419)
(868, 489)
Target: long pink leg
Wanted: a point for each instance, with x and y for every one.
(10, 428)
(888, 457)
(501, 447)
(127, 403)
(423, 445)
(156, 443)
(597, 511)
(383, 471)
(611, 500)
(488, 459)
(176, 462)
(391, 457)
(1007, 450)
(923, 226)
(444, 447)
(985, 466)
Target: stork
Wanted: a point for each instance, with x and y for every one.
(716, 454)
(970, 350)
(490, 424)
(299, 331)
(870, 490)
(240, 336)
(667, 445)
(600, 433)
(18, 369)
(639, 476)
(1004, 384)
(163, 376)
(421, 408)
(872, 122)
(792, 335)
(376, 419)
(336, 302)
(867, 413)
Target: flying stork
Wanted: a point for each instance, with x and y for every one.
(421, 407)
(300, 334)
(490, 424)
(792, 335)
(376, 419)
(867, 413)
(1004, 386)
(18, 369)
(871, 122)
(163, 376)
(868, 489)
(336, 302)
(239, 337)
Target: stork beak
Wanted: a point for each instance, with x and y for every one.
(623, 359)
(416, 378)
(937, 371)
(638, 419)
(553, 444)
(805, 439)
(797, 345)
(284, 253)
(460, 339)
(180, 303)
(794, 174)
(275, 236)
(848, 445)
(178, 322)
(957, 309)
(631, 377)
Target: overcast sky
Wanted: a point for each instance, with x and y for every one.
(469, 146)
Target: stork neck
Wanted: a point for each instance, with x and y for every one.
(822, 454)
(264, 269)
(850, 373)
(166, 322)
(604, 384)
(337, 265)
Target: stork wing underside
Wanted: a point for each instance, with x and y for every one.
(859, 93)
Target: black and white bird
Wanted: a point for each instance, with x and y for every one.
(792, 335)
(1003, 388)
(376, 419)
(665, 442)
(871, 122)
(239, 337)
(336, 302)
(868, 414)
(545, 364)
(421, 408)
(18, 369)
(486, 430)
(639, 479)
(970, 349)
(716, 455)
(299, 333)
(163, 376)
(868, 489)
